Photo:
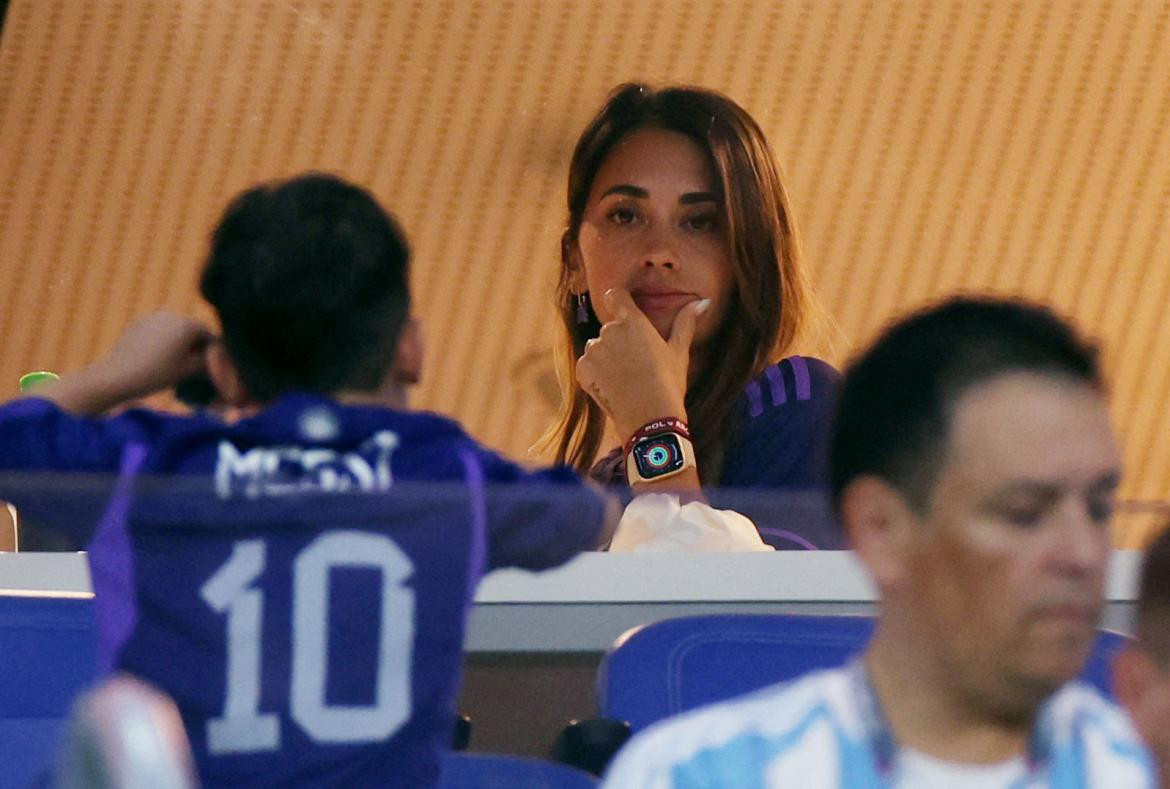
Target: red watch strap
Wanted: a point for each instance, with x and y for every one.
(656, 427)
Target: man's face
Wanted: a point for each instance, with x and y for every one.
(1003, 575)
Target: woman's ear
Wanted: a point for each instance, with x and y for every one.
(226, 377)
(571, 257)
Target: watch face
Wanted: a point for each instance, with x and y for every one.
(658, 455)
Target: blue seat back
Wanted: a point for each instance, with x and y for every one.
(679, 664)
(491, 771)
(47, 657)
(676, 665)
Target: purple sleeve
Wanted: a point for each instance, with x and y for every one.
(36, 435)
(537, 520)
(58, 469)
(775, 469)
(782, 427)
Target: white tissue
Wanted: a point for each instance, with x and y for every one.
(656, 523)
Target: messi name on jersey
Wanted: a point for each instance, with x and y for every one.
(276, 471)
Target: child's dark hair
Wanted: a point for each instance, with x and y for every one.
(894, 410)
(309, 277)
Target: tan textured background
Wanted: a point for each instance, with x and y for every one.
(1022, 147)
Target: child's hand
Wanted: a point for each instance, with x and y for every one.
(157, 351)
(153, 354)
(632, 373)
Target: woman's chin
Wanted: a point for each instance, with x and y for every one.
(662, 321)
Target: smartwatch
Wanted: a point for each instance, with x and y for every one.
(659, 456)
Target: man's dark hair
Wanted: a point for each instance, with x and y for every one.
(309, 278)
(894, 410)
(1153, 604)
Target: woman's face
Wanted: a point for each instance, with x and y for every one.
(654, 225)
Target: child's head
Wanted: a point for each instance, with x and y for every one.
(309, 279)
(759, 315)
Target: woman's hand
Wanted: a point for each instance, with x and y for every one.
(631, 372)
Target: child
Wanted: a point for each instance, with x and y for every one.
(306, 636)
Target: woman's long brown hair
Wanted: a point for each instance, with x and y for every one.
(768, 304)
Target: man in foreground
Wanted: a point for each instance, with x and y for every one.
(974, 468)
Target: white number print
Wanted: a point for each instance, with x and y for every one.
(243, 728)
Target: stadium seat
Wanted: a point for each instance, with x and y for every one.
(675, 665)
(667, 667)
(490, 771)
(47, 654)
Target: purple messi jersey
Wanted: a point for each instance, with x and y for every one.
(299, 581)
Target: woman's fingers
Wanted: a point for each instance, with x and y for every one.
(620, 303)
(682, 331)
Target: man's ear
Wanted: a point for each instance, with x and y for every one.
(226, 377)
(408, 358)
(879, 523)
(1133, 671)
(571, 257)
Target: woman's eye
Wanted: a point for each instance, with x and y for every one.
(704, 223)
(622, 216)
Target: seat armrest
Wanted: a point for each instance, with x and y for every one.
(590, 744)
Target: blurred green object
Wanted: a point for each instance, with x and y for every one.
(30, 381)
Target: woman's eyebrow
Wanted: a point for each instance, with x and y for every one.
(630, 190)
(626, 189)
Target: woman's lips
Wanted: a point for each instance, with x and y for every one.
(662, 301)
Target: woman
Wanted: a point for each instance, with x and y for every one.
(680, 290)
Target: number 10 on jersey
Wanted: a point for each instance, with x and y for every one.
(243, 728)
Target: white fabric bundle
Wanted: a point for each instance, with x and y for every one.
(657, 523)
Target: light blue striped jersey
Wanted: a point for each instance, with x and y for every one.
(818, 733)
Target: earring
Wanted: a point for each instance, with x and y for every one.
(582, 310)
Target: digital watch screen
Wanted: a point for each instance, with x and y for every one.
(659, 456)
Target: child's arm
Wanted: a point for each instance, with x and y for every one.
(154, 353)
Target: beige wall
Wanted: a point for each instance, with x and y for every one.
(1018, 146)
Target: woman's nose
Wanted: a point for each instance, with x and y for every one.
(658, 252)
